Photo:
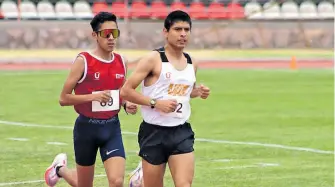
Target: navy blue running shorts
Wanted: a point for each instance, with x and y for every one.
(91, 134)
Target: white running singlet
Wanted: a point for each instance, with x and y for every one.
(171, 84)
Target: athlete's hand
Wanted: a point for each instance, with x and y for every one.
(166, 106)
(196, 92)
(204, 90)
(103, 96)
(131, 107)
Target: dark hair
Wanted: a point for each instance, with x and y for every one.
(176, 16)
(100, 18)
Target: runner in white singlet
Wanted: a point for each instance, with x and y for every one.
(168, 77)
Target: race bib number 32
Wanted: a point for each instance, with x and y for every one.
(111, 105)
(181, 110)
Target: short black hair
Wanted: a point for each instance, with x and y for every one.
(176, 16)
(101, 18)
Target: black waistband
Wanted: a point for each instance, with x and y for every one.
(166, 127)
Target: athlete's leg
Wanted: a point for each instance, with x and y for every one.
(50, 176)
(85, 148)
(181, 162)
(154, 158)
(85, 176)
(112, 151)
(182, 169)
(69, 175)
(115, 168)
(136, 176)
(59, 170)
(153, 175)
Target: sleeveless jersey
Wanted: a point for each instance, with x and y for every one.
(171, 84)
(100, 75)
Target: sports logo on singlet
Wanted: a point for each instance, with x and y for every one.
(179, 93)
(111, 105)
(96, 75)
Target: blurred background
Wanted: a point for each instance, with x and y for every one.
(261, 26)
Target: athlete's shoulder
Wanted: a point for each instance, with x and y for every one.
(190, 56)
(80, 57)
(121, 57)
(154, 55)
(118, 56)
(84, 53)
(186, 53)
(148, 61)
(192, 60)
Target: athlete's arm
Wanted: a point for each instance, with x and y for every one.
(66, 96)
(125, 60)
(142, 70)
(145, 66)
(195, 92)
(128, 107)
(199, 91)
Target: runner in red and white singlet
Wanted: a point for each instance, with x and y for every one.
(96, 78)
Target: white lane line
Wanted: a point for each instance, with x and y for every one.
(33, 181)
(222, 160)
(11, 123)
(259, 165)
(268, 164)
(19, 139)
(21, 182)
(267, 145)
(56, 143)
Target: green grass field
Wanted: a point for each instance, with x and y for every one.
(282, 107)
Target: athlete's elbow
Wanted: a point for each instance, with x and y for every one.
(63, 101)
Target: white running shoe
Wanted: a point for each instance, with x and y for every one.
(136, 177)
(50, 175)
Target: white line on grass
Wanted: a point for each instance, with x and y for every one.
(268, 164)
(33, 181)
(197, 139)
(19, 139)
(222, 160)
(21, 182)
(260, 165)
(267, 145)
(238, 167)
(46, 126)
(56, 143)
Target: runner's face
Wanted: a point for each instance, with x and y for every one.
(106, 36)
(179, 34)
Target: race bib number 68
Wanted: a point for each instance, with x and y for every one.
(111, 105)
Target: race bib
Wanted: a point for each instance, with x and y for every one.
(111, 105)
(182, 108)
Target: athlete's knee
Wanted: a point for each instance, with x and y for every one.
(116, 182)
(83, 184)
(184, 183)
(74, 185)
